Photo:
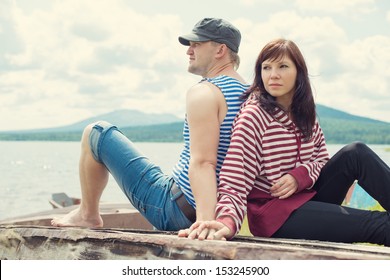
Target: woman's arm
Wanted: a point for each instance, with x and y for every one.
(307, 173)
(240, 168)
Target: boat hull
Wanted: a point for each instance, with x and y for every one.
(127, 235)
(48, 243)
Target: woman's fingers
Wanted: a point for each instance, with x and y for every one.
(190, 232)
(222, 234)
(210, 230)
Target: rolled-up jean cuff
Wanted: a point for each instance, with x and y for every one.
(97, 135)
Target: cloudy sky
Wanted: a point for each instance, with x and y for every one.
(64, 61)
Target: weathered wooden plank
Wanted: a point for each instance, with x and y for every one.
(114, 215)
(127, 235)
(37, 242)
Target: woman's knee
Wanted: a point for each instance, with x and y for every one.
(356, 150)
(356, 146)
(359, 150)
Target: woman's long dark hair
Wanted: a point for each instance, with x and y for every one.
(302, 107)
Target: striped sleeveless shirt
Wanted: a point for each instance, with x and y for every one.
(232, 90)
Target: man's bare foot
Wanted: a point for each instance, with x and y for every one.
(76, 219)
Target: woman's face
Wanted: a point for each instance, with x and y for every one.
(279, 78)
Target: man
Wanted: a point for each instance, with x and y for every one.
(169, 201)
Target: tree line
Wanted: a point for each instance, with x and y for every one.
(336, 132)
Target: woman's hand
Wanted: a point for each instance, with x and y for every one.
(210, 230)
(284, 187)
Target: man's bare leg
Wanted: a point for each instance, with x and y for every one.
(93, 180)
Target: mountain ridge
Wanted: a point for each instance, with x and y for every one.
(121, 118)
(328, 112)
(338, 127)
(129, 117)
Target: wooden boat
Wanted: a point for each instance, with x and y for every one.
(127, 235)
(40, 242)
(114, 216)
(60, 200)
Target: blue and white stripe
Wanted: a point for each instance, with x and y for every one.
(232, 90)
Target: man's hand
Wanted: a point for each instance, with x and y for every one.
(210, 230)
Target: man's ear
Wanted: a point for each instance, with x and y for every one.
(221, 49)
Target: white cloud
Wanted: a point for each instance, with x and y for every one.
(363, 85)
(61, 55)
(315, 36)
(351, 75)
(69, 60)
(57, 34)
(337, 6)
(251, 3)
(370, 56)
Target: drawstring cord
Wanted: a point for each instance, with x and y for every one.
(299, 143)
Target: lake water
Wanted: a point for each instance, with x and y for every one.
(32, 171)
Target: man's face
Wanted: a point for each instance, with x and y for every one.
(201, 55)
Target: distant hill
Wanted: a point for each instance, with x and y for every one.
(141, 126)
(126, 118)
(325, 112)
(341, 127)
(338, 127)
(121, 118)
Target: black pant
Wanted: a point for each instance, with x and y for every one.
(324, 219)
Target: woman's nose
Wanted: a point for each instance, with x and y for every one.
(274, 74)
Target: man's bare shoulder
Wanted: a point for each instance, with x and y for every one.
(203, 89)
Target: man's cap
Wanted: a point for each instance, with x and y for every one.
(214, 29)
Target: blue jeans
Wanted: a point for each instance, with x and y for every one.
(145, 185)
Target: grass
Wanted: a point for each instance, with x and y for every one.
(245, 228)
(376, 207)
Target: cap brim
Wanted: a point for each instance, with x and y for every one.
(186, 39)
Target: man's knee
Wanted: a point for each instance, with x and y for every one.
(87, 132)
(94, 133)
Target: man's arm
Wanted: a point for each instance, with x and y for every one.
(203, 108)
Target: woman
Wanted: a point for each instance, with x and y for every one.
(277, 168)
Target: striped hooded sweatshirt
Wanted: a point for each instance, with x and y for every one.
(263, 148)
